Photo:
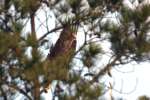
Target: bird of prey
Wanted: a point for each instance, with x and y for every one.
(64, 47)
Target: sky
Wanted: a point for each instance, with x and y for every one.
(131, 79)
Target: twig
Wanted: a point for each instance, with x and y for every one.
(53, 30)
(20, 90)
(104, 70)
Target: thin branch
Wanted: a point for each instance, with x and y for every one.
(124, 71)
(41, 23)
(3, 93)
(47, 33)
(105, 69)
(81, 19)
(45, 2)
(47, 17)
(135, 86)
(20, 90)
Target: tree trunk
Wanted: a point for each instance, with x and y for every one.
(36, 91)
(32, 18)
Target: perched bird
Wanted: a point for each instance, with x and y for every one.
(65, 48)
(65, 43)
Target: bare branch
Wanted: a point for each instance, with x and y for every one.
(53, 30)
(105, 69)
(20, 90)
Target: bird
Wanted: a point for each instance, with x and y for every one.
(65, 47)
(65, 42)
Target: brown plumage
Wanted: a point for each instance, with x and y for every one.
(65, 43)
(64, 47)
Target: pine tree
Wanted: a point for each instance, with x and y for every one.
(129, 41)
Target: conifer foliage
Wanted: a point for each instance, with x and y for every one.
(32, 76)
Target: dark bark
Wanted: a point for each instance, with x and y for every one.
(32, 16)
(36, 90)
